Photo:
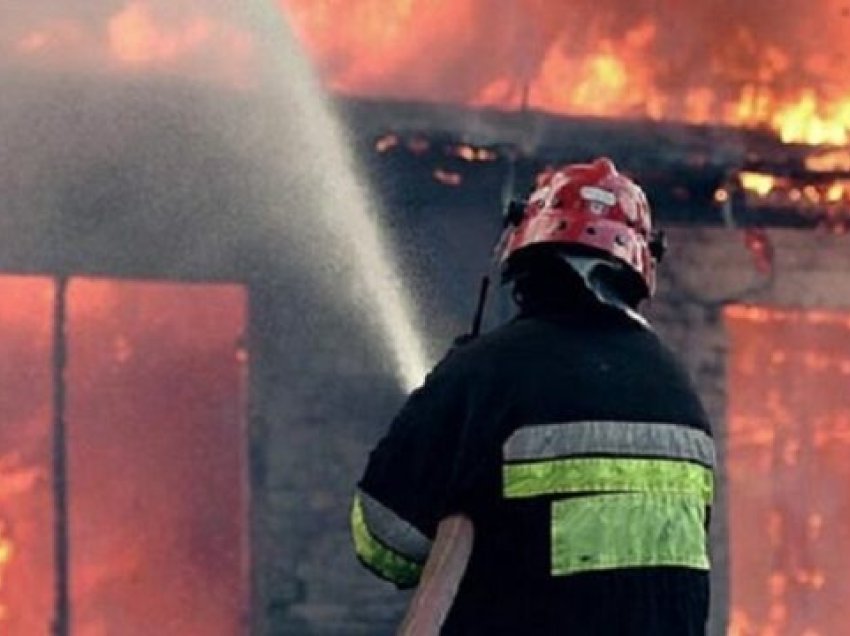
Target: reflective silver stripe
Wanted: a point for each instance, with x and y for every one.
(393, 531)
(637, 439)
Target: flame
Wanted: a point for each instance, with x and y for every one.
(761, 184)
(602, 82)
(606, 58)
(787, 415)
(809, 121)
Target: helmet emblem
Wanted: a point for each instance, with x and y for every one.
(599, 200)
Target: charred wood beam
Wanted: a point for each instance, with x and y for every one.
(687, 170)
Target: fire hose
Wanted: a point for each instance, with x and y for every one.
(441, 578)
(452, 547)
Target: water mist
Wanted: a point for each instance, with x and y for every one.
(348, 215)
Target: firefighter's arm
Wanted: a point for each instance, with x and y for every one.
(410, 483)
(440, 578)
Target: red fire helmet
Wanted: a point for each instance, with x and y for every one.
(592, 207)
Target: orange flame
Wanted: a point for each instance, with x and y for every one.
(828, 161)
(606, 58)
(757, 182)
(810, 121)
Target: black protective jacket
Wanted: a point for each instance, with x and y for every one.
(579, 449)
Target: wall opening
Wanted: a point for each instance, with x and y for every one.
(26, 507)
(789, 476)
(156, 458)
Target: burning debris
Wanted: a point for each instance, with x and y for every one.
(702, 175)
(802, 197)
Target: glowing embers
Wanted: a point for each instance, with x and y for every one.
(447, 177)
(789, 479)
(386, 143)
(444, 161)
(472, 153)
(419, 144)
(818, 198)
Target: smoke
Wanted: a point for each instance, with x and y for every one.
(108, 36)
(338, 213)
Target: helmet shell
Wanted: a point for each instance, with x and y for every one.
(592, 206)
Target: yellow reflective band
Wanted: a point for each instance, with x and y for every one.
(601, 474)
(609, 532)
(382, 560)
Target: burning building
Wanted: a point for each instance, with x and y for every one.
(188, 390)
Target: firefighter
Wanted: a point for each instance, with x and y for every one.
(567, 449)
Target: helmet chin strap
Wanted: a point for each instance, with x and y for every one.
(589, 269)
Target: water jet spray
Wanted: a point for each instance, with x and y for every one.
(348, 214)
